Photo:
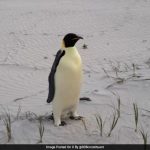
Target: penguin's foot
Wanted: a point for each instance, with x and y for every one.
(76, 117)
(51, 117)
(63, 123)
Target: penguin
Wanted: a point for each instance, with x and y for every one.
(65, 80)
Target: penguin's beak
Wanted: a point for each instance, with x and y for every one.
(79, 37)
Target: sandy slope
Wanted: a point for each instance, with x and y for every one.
(117, 34)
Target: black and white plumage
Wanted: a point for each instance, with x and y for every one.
(65, 79)
(51, 78)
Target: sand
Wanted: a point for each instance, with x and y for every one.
(116, 66)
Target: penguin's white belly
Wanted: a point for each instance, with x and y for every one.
(68, 81)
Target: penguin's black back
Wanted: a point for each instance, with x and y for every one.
(51, 78)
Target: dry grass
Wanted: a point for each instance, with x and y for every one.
(100, 123)
(84, 124)
(114, 123)
(118, 109)
(18, 112)
(136, 115)
(7, 123)
(144, 136)
(117, 69)
(41, 129)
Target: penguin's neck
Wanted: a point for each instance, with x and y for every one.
(71, 51)
(72, 55)
(68, 49)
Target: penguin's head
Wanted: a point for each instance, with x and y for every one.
(70, 39)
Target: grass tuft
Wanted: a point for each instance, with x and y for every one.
(100, 123)
(119, 103)
(18, 112)
(7, 123)
(144, 136)
(41, 129)
(84, 124)
(136, 115)
(134, 70)
(114, 122)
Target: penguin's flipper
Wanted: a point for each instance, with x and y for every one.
(51, 79)
(76, 118)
